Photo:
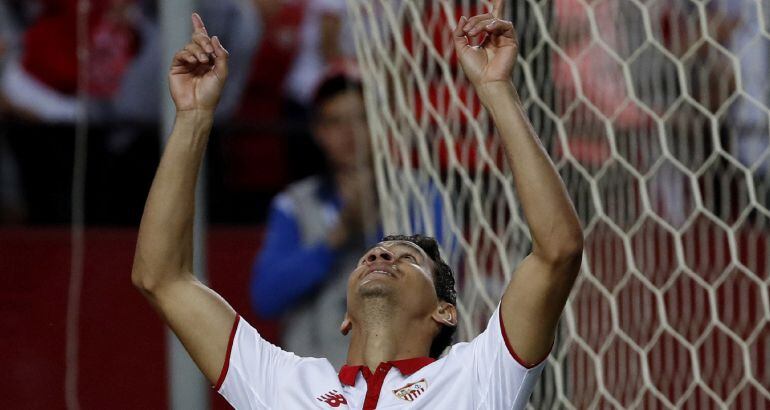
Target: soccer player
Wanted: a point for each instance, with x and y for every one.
(400, 297)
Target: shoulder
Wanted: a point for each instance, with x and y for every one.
(457, 351)
(491, 345)
(246, 342)
(257, 372)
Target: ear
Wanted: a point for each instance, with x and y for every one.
(346, 325)
(445, 314)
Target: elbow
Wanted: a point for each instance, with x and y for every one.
(148, 275)
(142, 281)
(152, 282)
(564, 253)
(573, 246)
(141, 274)
(145, 278)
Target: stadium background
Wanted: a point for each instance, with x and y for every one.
(261, 144)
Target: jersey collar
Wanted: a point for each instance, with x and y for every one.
(348, 373)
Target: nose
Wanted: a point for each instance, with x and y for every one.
(378, 254)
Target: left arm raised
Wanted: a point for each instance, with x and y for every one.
(534, 300)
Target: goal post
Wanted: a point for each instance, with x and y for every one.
(656, 115)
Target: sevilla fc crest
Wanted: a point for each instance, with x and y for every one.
(411, 391)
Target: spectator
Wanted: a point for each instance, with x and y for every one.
(38, 87)
(239, 25)
(326, 44)
(278, 46)
(326, 39)
(250, 165)
(41, 81)
(316, 229)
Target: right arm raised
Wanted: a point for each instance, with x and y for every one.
(162, 269)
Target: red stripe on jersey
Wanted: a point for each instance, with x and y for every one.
(374, 384)
(226, 365)
(510, 348)
(348, 373)
(374, 380)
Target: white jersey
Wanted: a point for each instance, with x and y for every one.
(482, 374)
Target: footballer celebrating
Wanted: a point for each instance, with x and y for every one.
(400, 298)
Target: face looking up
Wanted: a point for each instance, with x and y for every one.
(398, 271)
(340, 130)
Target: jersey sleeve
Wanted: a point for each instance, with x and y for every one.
(253, 369)
(504, 380)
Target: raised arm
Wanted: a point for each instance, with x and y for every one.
(162, 269)
(535, 297)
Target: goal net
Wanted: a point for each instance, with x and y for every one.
(655, 113)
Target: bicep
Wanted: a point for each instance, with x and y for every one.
(200, 318)
(533, 302)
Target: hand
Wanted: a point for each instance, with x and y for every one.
(198, 71)
(356, 190)
(493, 60)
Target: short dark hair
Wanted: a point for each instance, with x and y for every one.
(332, 86)
(443, 280)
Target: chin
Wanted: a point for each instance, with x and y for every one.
(375, 289)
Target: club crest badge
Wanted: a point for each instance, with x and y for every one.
(411, 391)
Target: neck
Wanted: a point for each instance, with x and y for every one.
(382, 333)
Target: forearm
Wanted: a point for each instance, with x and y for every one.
(164, 247)
(552, 220)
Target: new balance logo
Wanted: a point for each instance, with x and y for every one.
(333, 399)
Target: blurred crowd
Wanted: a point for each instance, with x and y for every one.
(280, 51)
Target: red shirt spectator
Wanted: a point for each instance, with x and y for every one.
(272, 62)
(50, 45)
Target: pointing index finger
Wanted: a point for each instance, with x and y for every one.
(498, 8)
(197, 22)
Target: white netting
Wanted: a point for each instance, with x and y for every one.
(656, 115)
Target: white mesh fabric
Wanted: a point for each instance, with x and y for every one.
(656, 115)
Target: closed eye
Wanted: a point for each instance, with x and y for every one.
(410, 256)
